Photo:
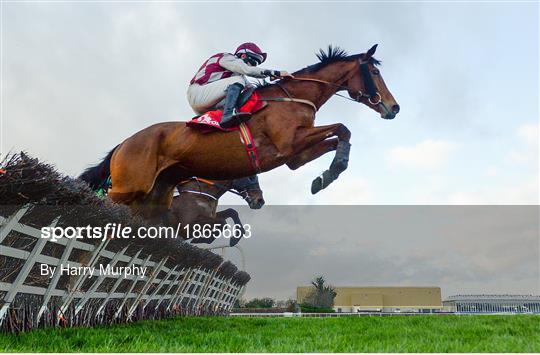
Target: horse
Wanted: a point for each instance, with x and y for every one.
(146, 167)
(197, 202)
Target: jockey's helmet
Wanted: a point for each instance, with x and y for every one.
(252, 51)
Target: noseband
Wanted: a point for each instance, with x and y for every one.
(369, 84)
(244, 193)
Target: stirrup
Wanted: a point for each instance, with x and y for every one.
(236, 119)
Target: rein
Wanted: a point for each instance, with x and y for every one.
(368, 83)
(292, 99)
(359, 94)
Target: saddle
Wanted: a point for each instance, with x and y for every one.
(249, 101)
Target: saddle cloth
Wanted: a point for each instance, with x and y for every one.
(209, 122)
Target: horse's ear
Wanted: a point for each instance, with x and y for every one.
(371, 51)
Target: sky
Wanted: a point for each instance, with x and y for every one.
(80, 77)
(461, 249)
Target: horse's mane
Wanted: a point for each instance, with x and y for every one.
(331, 55)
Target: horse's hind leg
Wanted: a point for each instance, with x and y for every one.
(154, 207)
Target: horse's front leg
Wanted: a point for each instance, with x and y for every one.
(315, 143)
(312, 153)
(233, 214)
(200, 224)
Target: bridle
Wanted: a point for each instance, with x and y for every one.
(244, 194)
(359, 93)
(369, 84)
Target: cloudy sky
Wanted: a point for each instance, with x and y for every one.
(78, 78)
(462, 249)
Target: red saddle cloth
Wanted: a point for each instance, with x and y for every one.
(209, 122)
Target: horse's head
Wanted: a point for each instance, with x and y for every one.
(250, 190)
(367, 86)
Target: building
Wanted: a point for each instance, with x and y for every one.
(381, 299)
(493, 304)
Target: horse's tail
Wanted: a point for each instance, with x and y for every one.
(96, 175)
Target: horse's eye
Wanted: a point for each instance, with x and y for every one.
(375, 72)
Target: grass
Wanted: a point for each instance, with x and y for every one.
(520, 333)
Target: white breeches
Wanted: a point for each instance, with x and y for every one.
(202, 98)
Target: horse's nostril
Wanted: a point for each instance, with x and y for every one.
(395, 109)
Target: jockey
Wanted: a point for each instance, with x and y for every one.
(221, 79)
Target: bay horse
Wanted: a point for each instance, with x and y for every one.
(146, 167)
(198, 199)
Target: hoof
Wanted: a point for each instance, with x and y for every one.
(316, 185)
(235, 240)
(321, 182)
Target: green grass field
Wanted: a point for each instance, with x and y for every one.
(347, 334)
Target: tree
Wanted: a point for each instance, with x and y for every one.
(322, 295)
(291, 306)
(260, 303)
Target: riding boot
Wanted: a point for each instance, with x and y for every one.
(231, 117)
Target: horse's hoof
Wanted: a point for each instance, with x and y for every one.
(234, 241)
(317, 185)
